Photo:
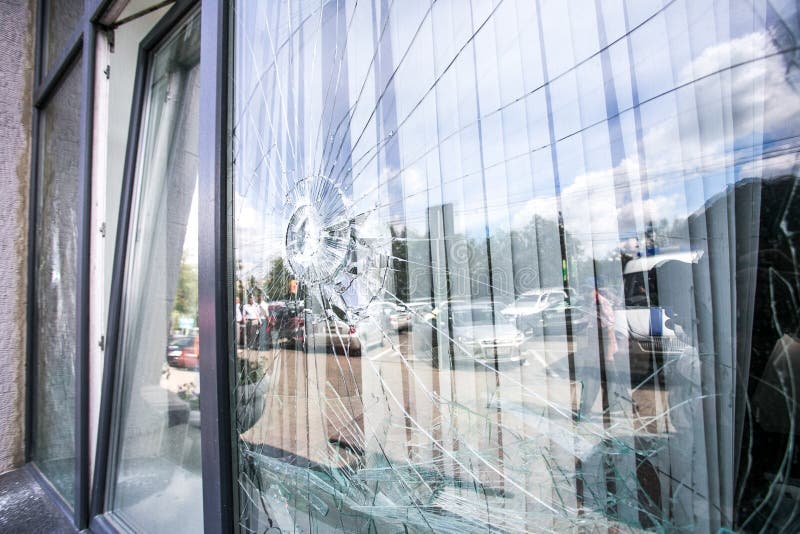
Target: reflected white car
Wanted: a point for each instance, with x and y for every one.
(483, 334)
(391, 316)
(651, 320)
(542, 311)
(337, 337)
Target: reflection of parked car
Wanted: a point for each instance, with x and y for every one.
(419, 309)
(337, 337)
(286, 324)
(486, 334)
(391, 316)
(442, 309)
(651, 321)
(292, 327)
(183, 352)
(543, 311)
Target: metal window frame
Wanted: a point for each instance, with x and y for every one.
(80, 44)
(214, 284)
(102, 518)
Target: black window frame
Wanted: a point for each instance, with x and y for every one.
(78, 51)
(215, 284)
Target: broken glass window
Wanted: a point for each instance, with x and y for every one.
(515, 265)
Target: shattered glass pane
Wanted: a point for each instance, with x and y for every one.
(516, 265)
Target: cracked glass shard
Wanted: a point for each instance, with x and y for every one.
(332, 249)
(516, 266)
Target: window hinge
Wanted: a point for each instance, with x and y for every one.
(103, 229)
(107, 71)
(102, 343)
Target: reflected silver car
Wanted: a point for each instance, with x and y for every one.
(337, 337)
(391, 316)
(482, 333)
(543, 312)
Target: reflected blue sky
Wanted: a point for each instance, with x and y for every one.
(716, 104)
(506, 146)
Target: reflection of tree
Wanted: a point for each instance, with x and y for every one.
(659, 236)
(400, 268)
(186, 295)
(535, 257)
(278, 283)
(535, 250)
(276, 286)
(542, 234)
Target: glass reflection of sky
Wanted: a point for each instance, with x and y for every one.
(697, 136)
(504, 147)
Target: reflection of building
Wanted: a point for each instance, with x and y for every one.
(514, 267)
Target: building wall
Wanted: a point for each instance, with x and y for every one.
(16, 83)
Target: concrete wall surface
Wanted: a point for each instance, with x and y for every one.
(16, 85)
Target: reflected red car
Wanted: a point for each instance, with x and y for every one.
(183, 352)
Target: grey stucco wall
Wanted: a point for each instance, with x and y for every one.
(16, 82)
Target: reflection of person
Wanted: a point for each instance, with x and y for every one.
(274, 330)
(252, 321)
(601, 325)
(263, 315)
(605, 314)
(239, 322)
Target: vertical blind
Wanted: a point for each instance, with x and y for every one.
(516, 265)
